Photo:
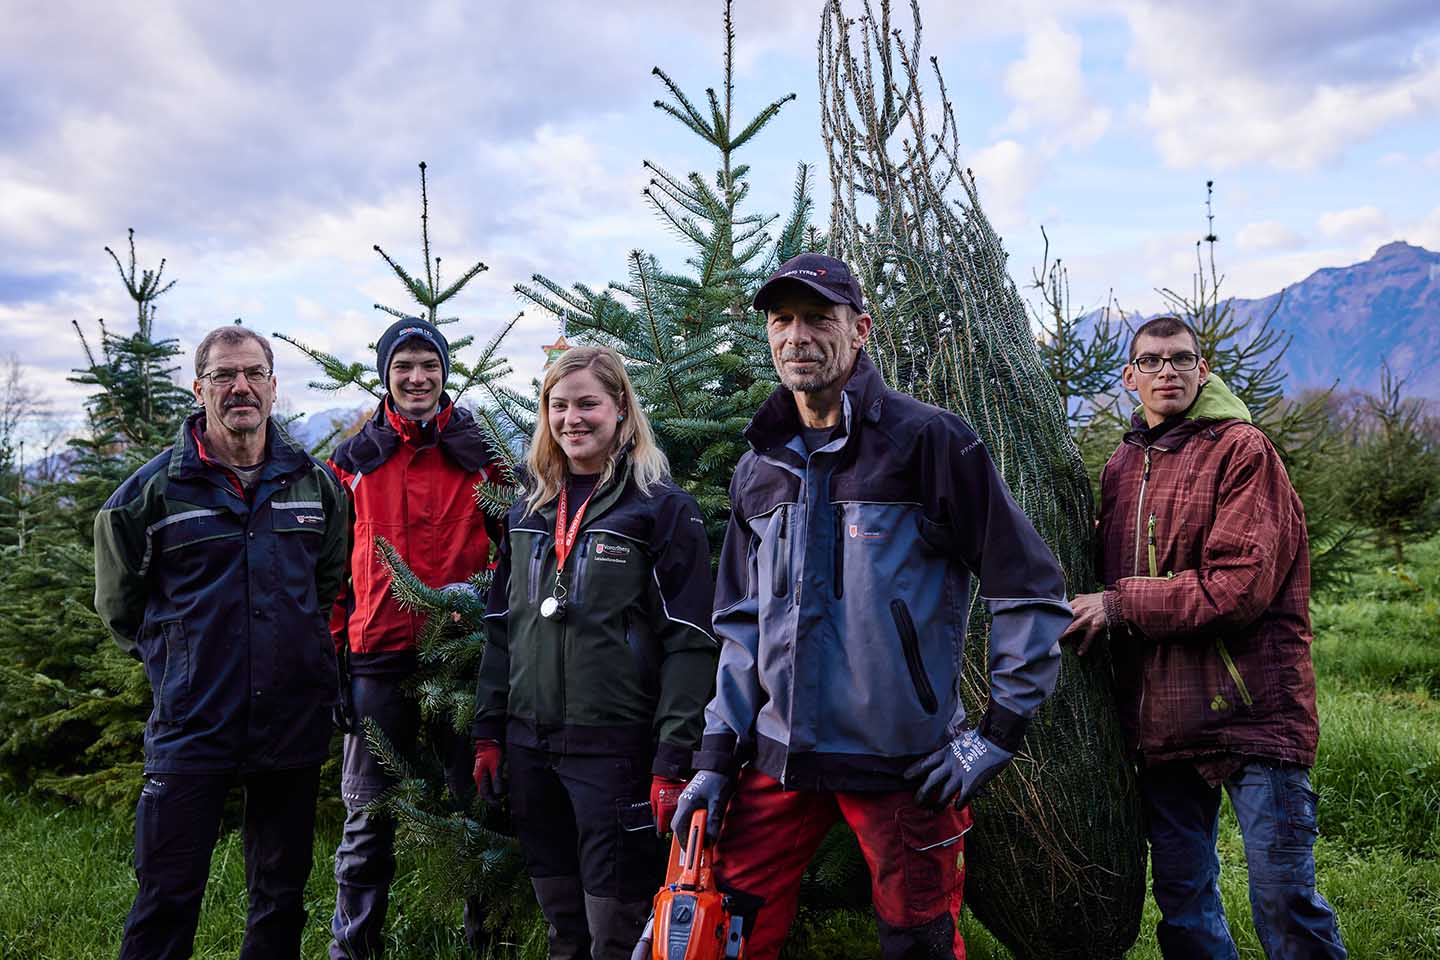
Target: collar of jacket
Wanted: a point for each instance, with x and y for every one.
(282, 454)
(455, 431)
(777, 422)
(1216, 408)
(604, 497)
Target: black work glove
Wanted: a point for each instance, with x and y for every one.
(708, 791)
(343, 713)
(957, 770)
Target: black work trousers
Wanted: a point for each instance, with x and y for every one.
(365, 859)
(593, 878)
(177, 822)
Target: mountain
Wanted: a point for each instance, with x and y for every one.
(1346, 320)
(309, 429)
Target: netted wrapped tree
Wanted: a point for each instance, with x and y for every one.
(1056, 862)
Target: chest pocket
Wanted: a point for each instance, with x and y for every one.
(609, 568)
(527, 566)
(297, 516)
(191, 528)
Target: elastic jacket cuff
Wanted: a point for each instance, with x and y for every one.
(488, 730)
(719, 752)
(1004, 728)
(671, 760)
(1114, 613)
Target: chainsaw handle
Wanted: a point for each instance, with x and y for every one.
(694, 850)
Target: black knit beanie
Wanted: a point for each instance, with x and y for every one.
(402, 330)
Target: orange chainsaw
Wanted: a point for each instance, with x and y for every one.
(691, 920)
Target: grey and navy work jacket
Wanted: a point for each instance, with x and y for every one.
(225, 598)
(629, 668)
(844, 587)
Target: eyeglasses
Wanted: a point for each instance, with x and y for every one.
(1180, 363)
(225, 376)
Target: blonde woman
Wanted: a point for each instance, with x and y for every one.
(599, 660)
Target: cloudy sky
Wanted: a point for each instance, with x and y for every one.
(262, 148)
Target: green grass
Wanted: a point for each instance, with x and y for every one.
(66, 881)
(66, 885)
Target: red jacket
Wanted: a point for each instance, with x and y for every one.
(416, 488)
(1206, 564)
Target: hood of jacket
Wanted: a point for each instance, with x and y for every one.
(383, 433)
(1215, 404)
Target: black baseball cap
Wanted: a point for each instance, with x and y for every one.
(828, 277)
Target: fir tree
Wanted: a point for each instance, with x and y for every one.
(74, 707)
(1083, 353)
(1056, 862)
(1391, 477)
(694, 347)
(1247, 356)
(468, 842)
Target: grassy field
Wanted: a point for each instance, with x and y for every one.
(66, 880)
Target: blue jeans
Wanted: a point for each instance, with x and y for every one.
(1276, 810)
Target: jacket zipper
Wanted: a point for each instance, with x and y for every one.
(839, 551)
(780, 575)
(579, 578)
(910, 644)
(535, 556)
(1140, 511)
(1234, 672)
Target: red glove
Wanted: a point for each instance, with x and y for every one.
(487, 769)
(664, 798)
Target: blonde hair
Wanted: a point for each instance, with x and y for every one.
(546, 462)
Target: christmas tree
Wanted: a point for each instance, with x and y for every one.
(695, 349)
(1247, 357)
(466, 842)
(74, 707)
(1056, 862)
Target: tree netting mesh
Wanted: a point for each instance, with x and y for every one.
(1056, 862)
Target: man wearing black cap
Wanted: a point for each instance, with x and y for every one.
(410, 474)
(858, 518)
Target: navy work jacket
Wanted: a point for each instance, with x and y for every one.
(224, 596)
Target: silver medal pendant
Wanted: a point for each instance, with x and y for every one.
(552, 609)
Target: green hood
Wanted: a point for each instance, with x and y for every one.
(1216, 402)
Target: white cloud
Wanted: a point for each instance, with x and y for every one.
(1005, 172)
(1292, 88)
(1355, 222)
(1267, 235)
(1048, 87)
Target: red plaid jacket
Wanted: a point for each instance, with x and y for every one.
(1206, 566)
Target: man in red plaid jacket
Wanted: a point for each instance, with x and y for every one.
(1204, 557)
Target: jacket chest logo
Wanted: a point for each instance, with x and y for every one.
(858, 534)
(612, 553)
(309, 518)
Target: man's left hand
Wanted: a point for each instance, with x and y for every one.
(957, 770)
(1089, 622)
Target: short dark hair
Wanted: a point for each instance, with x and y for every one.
(230, 335)
(1166, 325)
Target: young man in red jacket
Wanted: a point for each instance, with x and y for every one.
(1203, 554)
(410, 474)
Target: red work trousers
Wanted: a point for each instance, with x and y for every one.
(915, 856)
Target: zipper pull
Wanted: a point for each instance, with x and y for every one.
(1150, 546)
(1146, 474)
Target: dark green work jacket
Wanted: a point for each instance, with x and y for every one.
(631, 665)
